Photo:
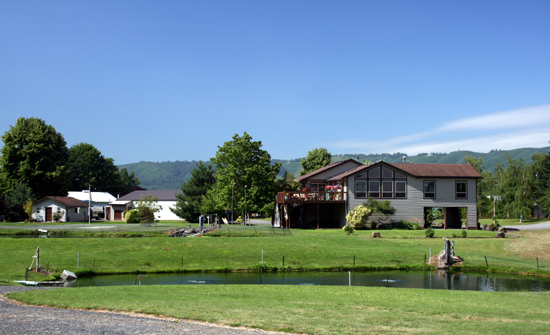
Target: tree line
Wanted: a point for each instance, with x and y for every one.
(35, 162)
(515, 189)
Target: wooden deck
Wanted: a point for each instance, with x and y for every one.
(292, 197)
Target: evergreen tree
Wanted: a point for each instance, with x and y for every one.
(36, 155)
(541, 172)
(15, 203)
(188, 205)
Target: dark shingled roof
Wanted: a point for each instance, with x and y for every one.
(67, 201)
(438, 170)
(161, 195)
(330, 166)
(422, 170)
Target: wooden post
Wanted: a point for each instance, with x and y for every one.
(37, 257)
(317, 216)
(288, 210)
(445, 218)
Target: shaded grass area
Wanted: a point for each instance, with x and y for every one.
(95, 229)
(301, 250)
(320, 309)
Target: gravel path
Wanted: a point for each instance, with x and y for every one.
(18, 319)
(535, 226)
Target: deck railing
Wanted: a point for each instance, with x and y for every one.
(310, 196)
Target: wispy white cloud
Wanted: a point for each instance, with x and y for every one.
(526, 127)
(524, 117)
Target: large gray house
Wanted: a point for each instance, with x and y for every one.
(413, 189)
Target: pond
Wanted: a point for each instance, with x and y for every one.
(411, 279)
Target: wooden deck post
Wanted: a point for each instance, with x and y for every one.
(317, 216)
(445, 218)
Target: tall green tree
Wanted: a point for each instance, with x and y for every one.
(315, 159)
(89, 168)
(519, 188)
(36, 155)
(245, 164)
(496, 183)
(541, 173)
(188, 204)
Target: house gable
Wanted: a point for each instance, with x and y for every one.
(329, 171)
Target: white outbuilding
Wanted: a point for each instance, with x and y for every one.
(99, 201)
(166, 200)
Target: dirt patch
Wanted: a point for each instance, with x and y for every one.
(535, 243)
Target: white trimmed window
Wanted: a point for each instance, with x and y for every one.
(461, 189)
(400, 189)
(387, 189)
(374, 189)
(361, 189)
(429, 189)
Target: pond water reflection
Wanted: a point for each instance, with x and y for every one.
(426, 280)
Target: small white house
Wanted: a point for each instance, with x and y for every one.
(100, 201)
(166, 200)
(61, 209)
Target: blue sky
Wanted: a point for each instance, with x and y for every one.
(172, 80)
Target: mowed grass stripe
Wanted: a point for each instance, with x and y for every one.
(320, 309)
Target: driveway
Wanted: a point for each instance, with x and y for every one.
(535, 226)
(16, 318)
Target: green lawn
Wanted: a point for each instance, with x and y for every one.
(302, 249)
(302, 309)
(320, 309)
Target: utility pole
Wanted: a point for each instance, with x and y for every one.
(89, 203)
(232, 196)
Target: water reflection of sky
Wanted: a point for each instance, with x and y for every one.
(424, 280)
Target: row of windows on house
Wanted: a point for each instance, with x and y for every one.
(381, 182)
(380, 188)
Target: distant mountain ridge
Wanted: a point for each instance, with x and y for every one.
(170, 175)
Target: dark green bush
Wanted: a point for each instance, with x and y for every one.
(401, 224)
(132, 216)
(430, 233)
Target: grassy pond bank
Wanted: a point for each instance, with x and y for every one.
(297, 308)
